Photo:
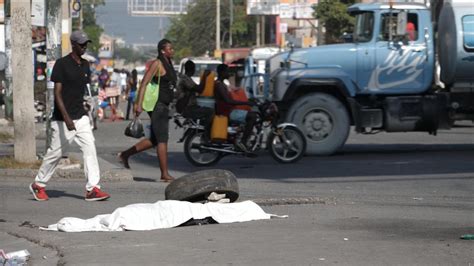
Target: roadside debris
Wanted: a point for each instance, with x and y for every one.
(19, 257)
(219, 198)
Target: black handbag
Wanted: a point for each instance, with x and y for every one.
(135, 129)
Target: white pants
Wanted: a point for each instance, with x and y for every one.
(60, 141)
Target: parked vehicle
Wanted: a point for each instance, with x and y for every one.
(385, 79)
(285, 142)
(202, 63)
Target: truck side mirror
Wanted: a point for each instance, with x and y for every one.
(347, 37)
(285, 64)
(291, 45)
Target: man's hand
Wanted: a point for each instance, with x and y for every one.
(70, 124)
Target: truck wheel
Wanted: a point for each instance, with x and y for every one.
(198, 185)
(324, 121)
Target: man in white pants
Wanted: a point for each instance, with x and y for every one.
(71, 75)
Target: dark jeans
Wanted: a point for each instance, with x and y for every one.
(130, 99)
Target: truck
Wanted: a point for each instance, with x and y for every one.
(402, 72)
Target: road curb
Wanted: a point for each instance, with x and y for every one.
(70, 174)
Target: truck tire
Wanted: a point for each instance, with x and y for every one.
(197, 186)
(324, 121)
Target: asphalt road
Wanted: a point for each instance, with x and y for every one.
(385, 199)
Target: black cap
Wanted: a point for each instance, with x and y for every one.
(79, 37)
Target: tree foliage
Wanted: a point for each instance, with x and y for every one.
(89, 23)
(334, 17)
(193, 34)
(130, 55)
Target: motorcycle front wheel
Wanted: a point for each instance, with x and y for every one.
(196, 154)
(287, 144)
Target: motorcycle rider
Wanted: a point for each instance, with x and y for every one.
(187, 91)
(225, 106)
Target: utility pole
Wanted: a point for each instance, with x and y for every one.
(22, 69)
(257, 34)
(8, 70)
(66, 27)
(53, 53)
(231, 6)
(218, 29)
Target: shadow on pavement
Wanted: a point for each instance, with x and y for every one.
(60, 194)
(143, 179)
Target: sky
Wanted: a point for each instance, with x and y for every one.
(116, 21)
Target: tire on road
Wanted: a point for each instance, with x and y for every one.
(324, 121)
(197, 186)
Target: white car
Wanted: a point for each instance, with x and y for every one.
(202, 63)
(140, 73)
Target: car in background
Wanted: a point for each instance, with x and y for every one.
(202, 63)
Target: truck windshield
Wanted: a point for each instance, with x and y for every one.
(364, 27)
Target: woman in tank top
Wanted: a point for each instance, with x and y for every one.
(161, 70)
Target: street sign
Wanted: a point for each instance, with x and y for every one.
(263, 7)
(283, 27)
(297, 10)
(38, 13)
(158, 7)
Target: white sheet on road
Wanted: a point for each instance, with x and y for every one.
(162, 214)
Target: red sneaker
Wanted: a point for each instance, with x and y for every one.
(38, 192)
(96, 194)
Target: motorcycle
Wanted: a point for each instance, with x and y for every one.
(285, 142)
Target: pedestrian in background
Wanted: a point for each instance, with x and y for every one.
(103, 78)
(112, 91)
(123, 80)
(132, 82)
(160, 71)
(71, 76)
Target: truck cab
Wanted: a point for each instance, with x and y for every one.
(383, 80)
(393, 61)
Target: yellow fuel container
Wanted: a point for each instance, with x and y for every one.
(209, 85)
(219, 128)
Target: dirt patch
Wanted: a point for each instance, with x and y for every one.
(5, 137)
(8, 162)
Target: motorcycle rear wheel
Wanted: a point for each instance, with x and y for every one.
(287, 145)
(195, 154)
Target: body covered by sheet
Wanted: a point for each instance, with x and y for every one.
(162, 214)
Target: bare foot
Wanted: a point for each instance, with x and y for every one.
(123, 160)
(167, 179)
